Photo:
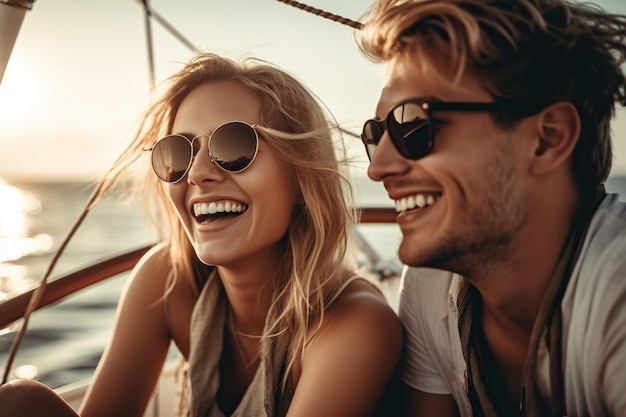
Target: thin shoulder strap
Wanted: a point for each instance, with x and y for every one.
(345, 285)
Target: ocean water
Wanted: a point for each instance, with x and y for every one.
(64, 341)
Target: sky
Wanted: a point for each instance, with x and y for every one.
(78, 76)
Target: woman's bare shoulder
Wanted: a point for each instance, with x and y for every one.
(352, 356)
(156, 259)
(149, 277)
(362, 313)
(361, 294)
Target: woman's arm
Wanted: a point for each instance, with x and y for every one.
(347, 367)
(131, 364)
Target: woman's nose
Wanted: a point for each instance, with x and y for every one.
(202, 167)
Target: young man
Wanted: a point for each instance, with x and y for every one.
(492, 137)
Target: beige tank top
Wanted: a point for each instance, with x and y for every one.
(200, 377)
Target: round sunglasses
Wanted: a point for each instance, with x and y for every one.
(232, 146)
(409, 124)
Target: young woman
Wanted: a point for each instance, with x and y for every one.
(252, 280)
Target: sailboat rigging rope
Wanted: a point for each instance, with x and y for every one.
(167, 26)
(149, 43)
(322, 13)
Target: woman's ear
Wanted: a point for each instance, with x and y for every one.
(558, 128)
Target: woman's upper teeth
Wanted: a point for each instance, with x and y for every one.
(222, 206)
(414, 201)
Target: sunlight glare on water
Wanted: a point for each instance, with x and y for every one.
(16, 205)
(26, 372)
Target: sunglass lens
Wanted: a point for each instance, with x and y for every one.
(171, 157)
(234, 146)
(372, 132)
(409, 130)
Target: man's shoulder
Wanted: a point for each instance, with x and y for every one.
(609, 219)
(598, 276)
(594, 318)
(605, 240)
(428, 289)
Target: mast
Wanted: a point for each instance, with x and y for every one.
(11, 16)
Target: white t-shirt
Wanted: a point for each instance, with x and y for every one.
(594, 325)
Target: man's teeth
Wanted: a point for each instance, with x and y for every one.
(414, 201)
(213, 207)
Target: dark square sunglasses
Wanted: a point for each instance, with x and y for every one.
(409, 125)
(232, 146)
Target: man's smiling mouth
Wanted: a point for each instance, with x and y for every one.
(418, 201)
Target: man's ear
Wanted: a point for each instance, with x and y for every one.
(558, 128)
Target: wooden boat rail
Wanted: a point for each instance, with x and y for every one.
(13, 308)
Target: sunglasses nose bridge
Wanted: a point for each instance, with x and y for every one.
(196, 143)
(199, 166)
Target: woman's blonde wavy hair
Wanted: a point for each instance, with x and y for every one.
(530, 52)
(316, 258)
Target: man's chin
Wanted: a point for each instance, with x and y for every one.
(415, 257)
(429, 258)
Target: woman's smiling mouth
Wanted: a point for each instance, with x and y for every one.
(217, 209)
